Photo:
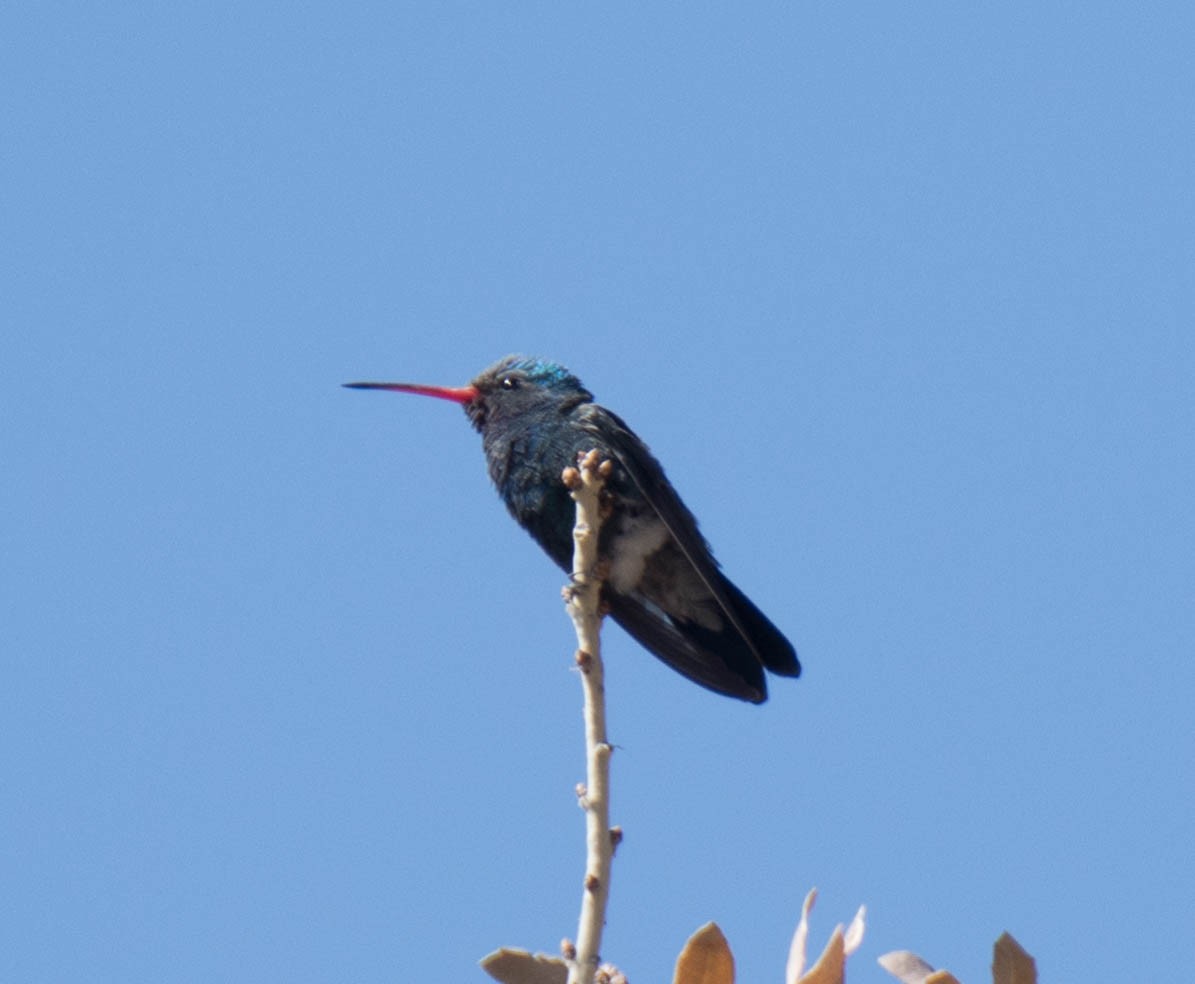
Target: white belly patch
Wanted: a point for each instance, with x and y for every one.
(636, 540)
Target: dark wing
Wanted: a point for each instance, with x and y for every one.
(764, 641)
(724, 665)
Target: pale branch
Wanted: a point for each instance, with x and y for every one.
(583, 601)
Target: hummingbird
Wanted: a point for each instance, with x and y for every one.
(662, 584)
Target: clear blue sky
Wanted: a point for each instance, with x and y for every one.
(905, 302)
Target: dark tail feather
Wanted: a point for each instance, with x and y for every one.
(769, 643)
(720, 661)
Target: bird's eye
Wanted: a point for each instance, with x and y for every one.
(509, 383)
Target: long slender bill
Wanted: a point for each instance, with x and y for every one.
(457, 394)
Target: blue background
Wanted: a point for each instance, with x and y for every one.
(904, 300)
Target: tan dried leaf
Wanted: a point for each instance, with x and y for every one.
(797, 949)
(1011, 964)
(909, 968)
(854, 932)
(905, 966)
(512, 966)
(706, 959)
(831, 965)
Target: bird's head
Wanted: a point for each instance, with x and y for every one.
(512, 387)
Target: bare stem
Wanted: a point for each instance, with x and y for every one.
(584, 607)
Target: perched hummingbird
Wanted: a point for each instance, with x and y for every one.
(663, 585)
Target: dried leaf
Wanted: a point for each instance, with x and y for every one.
(521, 967)
(831, 965)
(706, 959)
(797, 949)
(906, 967)
(1011, 964)
(854, 932)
